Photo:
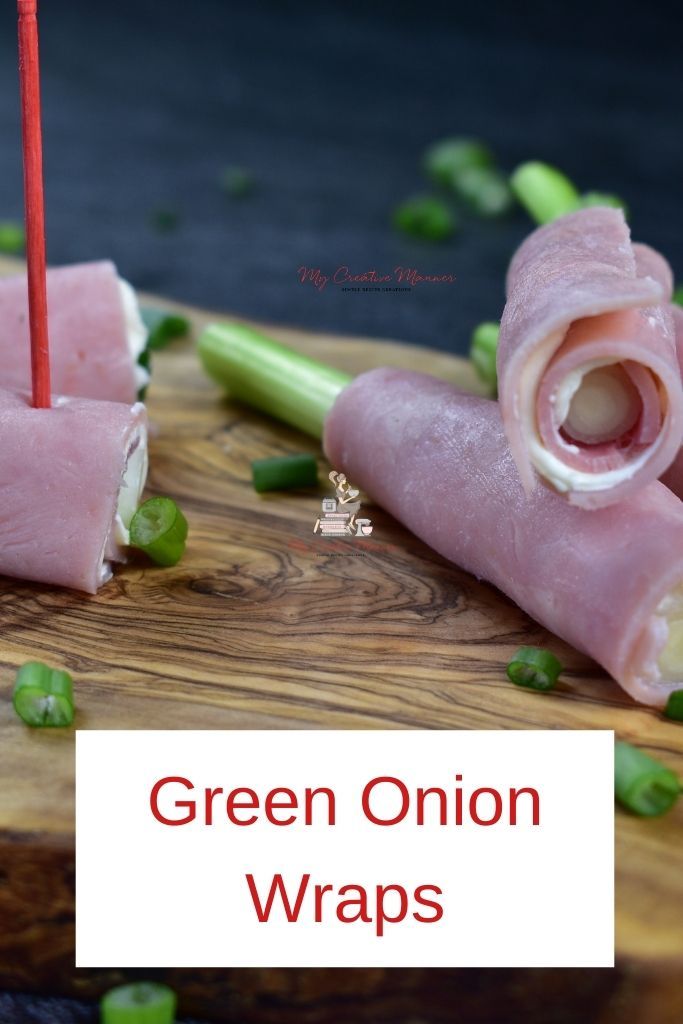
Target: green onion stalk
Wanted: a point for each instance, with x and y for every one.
(271, 377)
(546, 193)
(295, 389)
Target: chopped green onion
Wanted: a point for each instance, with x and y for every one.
(43, 696)
(602, 199)
(164, 220)
(677, 296)
(483, 349)
(143, 1002)
(534, 668)
(159, 529)
(425, 217)
(12, 237)
(543, 191)
(285, 472)
(642, 784)
(163, 327)
(485, 190)
(674, 706)
(270, 376)
(446, 160)
(237, 182)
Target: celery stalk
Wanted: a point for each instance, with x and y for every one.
(270, 376)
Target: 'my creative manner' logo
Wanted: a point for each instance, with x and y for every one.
(401, 279)
(339, 516)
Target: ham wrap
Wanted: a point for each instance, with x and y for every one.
(609, 581)
(96, 333)
(673, 478)
(71, 478)
(588, 377)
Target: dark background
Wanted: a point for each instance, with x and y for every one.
(329, 106)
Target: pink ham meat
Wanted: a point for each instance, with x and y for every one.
(89, 350)
(61, 473)
(439, 462)
(588, 377)
(673, 478)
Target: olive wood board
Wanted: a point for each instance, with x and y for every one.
(265, 624)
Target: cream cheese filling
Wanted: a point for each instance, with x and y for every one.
(601, 405)
(563, 477)
(670, 659)
(136, 331)
(129, 496)
(132, 486)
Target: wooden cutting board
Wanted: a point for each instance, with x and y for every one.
(265, 624)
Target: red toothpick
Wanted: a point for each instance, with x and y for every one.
(29, 77)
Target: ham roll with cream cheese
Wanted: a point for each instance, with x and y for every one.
(588, 378)
(71, 478)
(673, 478)
(96, 333)
(609, 581)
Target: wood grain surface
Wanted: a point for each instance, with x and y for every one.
(266, 625)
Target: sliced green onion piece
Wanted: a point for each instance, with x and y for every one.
(12, 237)
(163, 327)
(143, 1002)
(485, 190)
(445, 160)
(164, 220)
(602, 199)
(483, 349)
(159, 529)
(678, 295)
(270, 376)
(674, 706)
(43, 696)
(642, 784)
(534, 668)
(425, 217)
(543, 191)
(237, 182)
(284, 472)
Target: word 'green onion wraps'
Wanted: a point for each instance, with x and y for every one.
(609, 581)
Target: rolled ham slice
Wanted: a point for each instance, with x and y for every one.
(70, 481)
(673, 478)
(96, 334)
(610, 581)
(588, 377)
